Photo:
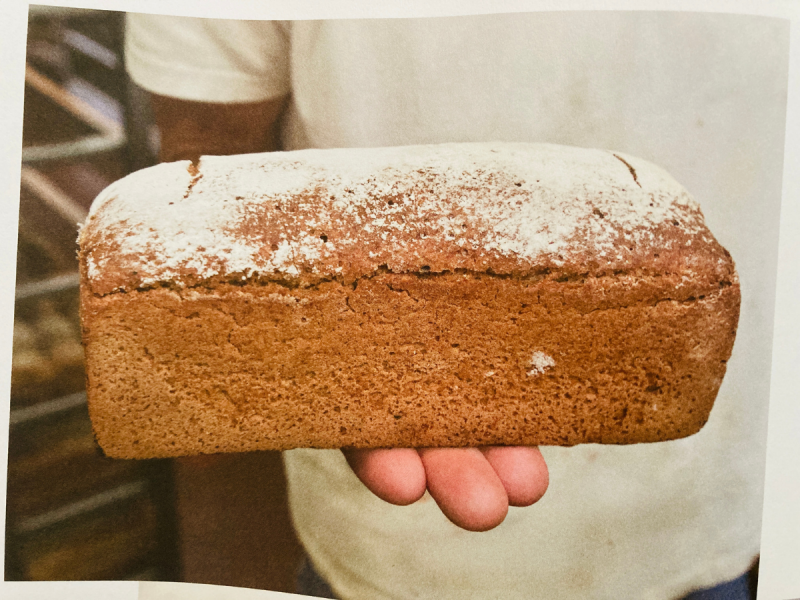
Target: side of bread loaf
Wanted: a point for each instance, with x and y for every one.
(451, 295)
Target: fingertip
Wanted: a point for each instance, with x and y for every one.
(493, 511)
(395, 475)
(465, 487)
(522, 470)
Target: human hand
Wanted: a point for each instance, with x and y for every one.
(472, 486)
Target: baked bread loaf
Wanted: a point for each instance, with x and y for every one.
(450, 295)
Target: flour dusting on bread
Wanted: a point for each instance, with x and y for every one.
(320, 213)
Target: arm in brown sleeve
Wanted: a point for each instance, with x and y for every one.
(190, 129)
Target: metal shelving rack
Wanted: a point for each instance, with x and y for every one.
(72, 513)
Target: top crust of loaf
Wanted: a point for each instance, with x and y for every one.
(311, 215)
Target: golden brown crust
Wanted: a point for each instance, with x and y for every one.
(400, 360)
(308, 216)
(494, 345)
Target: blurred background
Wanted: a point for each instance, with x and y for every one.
(71, 513)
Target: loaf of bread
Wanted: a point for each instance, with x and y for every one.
(449, 295)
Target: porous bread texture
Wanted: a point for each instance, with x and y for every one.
(454, 295)
(401, 360)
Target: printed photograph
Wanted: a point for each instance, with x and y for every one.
(455, 307)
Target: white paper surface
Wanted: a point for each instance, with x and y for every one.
(780, 562)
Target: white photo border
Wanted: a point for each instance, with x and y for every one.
(780, 550)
